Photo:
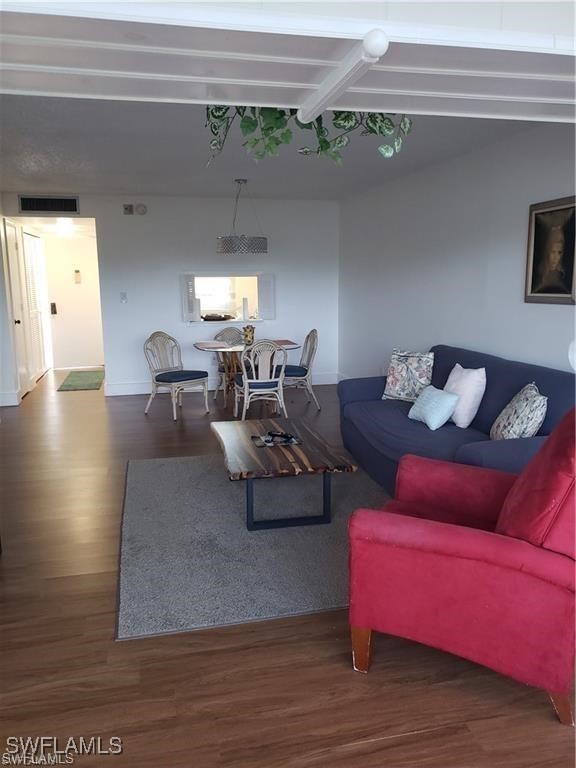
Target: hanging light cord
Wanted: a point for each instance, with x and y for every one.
(236, 201)
(236, 206)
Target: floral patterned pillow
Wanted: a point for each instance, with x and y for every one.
(408, 374)
(522, 417)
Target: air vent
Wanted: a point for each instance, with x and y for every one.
(48, 204)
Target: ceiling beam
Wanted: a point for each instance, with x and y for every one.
(353, 66)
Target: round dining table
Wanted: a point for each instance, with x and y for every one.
(231, 355)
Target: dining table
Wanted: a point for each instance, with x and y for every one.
(231, 355)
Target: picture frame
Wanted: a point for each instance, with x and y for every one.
(551, 257)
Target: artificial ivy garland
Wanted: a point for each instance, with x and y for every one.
(267, 128)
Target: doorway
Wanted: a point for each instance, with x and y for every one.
(60, 290)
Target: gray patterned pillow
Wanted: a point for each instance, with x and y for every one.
(408, 374)
(522, 417)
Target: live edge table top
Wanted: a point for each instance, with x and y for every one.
(244, 460)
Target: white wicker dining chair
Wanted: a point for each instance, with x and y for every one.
(262, 376)
(230, 336)
(168, 374)
(301, 375)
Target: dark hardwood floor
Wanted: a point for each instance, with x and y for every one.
(275, 694)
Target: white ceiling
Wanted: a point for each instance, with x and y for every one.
(106, 97)
(181, 52)
(72, 146)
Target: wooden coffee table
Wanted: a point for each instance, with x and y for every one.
(245, 461)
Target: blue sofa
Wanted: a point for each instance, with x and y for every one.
(378, 432)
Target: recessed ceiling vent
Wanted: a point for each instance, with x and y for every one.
(48, 204)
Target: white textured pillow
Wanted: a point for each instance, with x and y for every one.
(469, 384)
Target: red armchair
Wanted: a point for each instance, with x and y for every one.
(475, 562)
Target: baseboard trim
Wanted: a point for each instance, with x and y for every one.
(118, 389)
(9, 399)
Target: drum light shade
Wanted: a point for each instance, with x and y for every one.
(242, 244)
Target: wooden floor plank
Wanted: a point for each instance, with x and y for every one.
(274, 694)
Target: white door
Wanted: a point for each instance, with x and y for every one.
(36, 304)
(19, 310)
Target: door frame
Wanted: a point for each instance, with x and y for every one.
(16, 300)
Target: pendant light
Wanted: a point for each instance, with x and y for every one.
(235, 243)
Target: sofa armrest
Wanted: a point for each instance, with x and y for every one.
(465, 491)
(354, 390)
(378, 527)
(505, 455)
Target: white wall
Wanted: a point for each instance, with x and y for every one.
(145, 255)
(439, 257)
(77, 328)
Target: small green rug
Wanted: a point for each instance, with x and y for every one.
(82, 380)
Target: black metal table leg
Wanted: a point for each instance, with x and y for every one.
(250, 504)
(288, 522)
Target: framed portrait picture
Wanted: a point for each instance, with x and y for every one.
(551, 252)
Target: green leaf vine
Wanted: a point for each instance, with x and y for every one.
(266, 129)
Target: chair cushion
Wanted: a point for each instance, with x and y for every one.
(386, 426)
(173, 377)
(540, 505)
(296, 371)
(238, 379)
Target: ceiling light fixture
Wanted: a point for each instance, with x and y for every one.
(235, 243)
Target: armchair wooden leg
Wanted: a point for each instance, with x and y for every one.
(361, 648)
(564, 708)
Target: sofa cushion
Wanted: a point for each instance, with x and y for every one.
(433, 407)
(469, 384)
(522, 417)
(408, 374)
(506, 455)
(385, 424)
(540, 506)
(504, 378)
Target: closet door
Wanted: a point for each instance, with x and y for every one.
(36, 304)
(18, 302)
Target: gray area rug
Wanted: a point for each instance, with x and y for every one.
(187, 560)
